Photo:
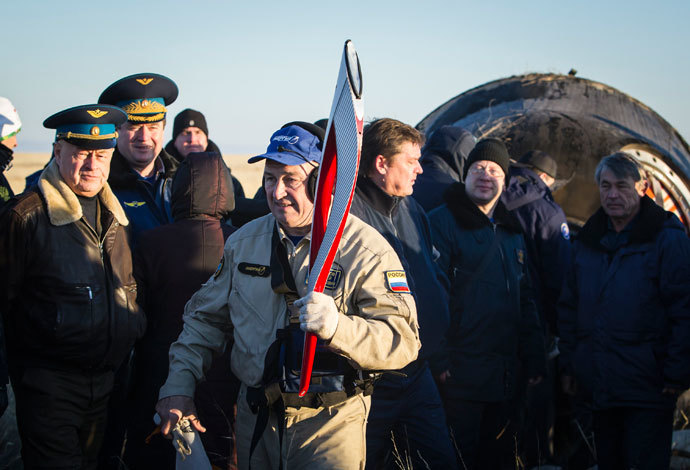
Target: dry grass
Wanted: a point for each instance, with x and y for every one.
(26, 163)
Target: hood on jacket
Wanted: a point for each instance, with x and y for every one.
(450, 145)
(202, 187)
(470, 217)
(525, 186)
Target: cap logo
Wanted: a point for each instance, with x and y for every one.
(191, 123)
(95, 130)
(287, 138)
(144, 103)
(144, 81)
(96, 113)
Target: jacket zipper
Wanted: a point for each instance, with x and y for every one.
(503, 261)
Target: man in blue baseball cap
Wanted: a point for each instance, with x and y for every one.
(259, 293)
(69, 301)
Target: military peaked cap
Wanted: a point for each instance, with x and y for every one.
(143, 96)
(90, 126)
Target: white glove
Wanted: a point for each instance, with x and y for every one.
(318, 314)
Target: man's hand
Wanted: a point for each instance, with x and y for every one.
(318, 314)
(172, 409)
(569, 385)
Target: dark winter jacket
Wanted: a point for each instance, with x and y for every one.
(146, 205)
(405, 226)
(494, 322)
(624, 314)
(5, 189)
(171, 263)
(547, 238)
(68, 295)
(443, 160)
(173, 260)
(246, 209)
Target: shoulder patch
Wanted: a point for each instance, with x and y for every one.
(334, 276)
(219, 269)
(397, 282)
(134, 203)
(520, 254)
(258, 270)
(565, 231)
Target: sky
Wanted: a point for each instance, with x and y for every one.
(252, 66)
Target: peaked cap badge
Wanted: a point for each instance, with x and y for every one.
(144, 81)
(95, 130)
(97, 113)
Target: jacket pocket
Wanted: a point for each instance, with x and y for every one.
(75, 315)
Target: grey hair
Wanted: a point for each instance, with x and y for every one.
(622, 165)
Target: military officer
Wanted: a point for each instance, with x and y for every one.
(142, 171)
(69, 298)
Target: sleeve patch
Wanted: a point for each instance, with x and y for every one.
(219, 269)
(520, 256)
(397, 282)
(334, 276)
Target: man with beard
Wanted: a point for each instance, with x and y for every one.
(142, 171)
(494, 324)
(67, 293)
(190, 135)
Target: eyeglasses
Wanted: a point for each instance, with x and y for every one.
(288, 181)
(494, 172)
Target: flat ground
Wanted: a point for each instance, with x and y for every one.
(26, 163)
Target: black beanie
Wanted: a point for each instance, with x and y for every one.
(492, 150)
(189, 118)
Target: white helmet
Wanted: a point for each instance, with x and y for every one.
(10, 123)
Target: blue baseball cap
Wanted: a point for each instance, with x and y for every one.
(292, 145)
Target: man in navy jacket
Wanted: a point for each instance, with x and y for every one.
(407, 404)
(545, 228)
(624, 318)
(547, 239)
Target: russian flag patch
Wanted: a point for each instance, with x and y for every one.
(397, 282)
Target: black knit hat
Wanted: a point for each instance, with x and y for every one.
(492, 150)
(189, 118)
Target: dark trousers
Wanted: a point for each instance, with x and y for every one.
(61, 417)
(485, 433)
(633, 438)
(410, 408)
